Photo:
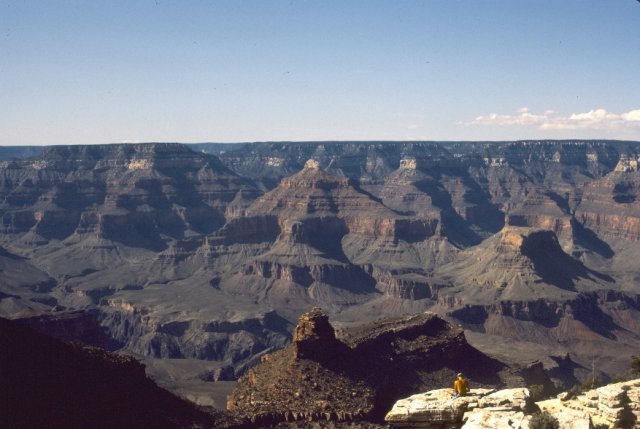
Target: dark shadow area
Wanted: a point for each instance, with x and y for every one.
(552, 264)
(454, 226)
(348, 277)
(560, 201)
(79, 195)
(624, 193)
(6, 254)
(565, 370)
(57, 224)
(48, 383)
(8, 295)
(322, 233)
(133, 229)
(588, 239)
(586, 309)
(78, 326)
(18, 220)
(488, 217)
(470, 314)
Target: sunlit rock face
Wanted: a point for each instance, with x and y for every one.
(613, 405)
(481, 408)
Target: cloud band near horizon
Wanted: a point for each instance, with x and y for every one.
(595, 119)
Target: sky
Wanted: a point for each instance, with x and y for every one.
(88, 72)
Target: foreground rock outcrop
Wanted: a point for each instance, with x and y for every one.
(481, 408)
(616, 405)
(359, 373)
(613, 406)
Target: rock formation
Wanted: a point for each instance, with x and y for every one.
(360, 373)
(614, 406)
(520, 264)
(481, 408)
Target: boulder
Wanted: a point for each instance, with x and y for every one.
(433, 408)
(616, 405)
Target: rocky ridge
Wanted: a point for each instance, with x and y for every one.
(358, 374)
(522, 264)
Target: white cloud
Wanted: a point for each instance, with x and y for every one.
(594, 116)
(597, 119)
(631, 116)
(524, 118)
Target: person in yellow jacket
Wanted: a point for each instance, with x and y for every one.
(460, 386)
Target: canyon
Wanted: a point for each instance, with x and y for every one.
(203, 256)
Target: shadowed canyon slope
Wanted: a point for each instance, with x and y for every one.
(48, 383)
(209, 255)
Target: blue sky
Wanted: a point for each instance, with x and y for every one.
(102, 71)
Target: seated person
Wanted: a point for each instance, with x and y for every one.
(460, 386)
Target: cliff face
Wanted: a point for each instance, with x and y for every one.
(138, 195)
(314, 193)
(476, 187)
(520, 285)
(610, 206)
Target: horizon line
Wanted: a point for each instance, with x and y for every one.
(324, 141)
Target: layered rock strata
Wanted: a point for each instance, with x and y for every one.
(159, 238)
(610, 206)
(615, 405)
(521, 263)
(138, 195)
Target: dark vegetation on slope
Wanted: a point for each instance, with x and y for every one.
(47, 383)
